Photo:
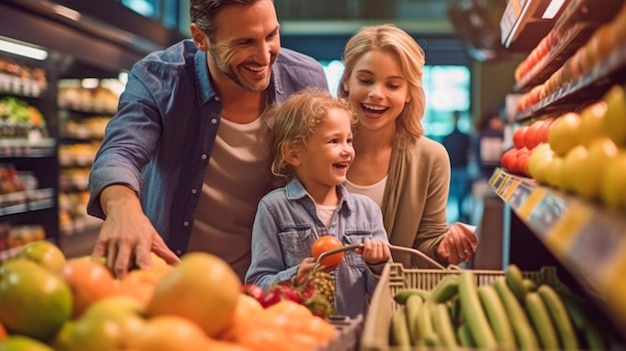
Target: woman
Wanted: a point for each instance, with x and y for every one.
(406, 173)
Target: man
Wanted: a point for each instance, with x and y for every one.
(183, 163)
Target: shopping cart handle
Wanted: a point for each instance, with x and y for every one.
(391, 247)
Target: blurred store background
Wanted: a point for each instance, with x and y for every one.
(78, 53)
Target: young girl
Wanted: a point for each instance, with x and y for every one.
(311, 150)
(405, 172)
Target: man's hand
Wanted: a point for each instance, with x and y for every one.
(127, 233)
(458, 245)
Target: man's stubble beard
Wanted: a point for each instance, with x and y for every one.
(231, 75)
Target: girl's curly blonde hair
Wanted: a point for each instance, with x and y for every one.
(294, 122)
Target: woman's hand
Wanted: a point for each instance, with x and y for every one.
(374, 251)
(458, 245)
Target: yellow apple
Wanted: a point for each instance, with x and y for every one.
(539, 162)
(573, 167)
(614, 183)
(615, 116)
(44, 253)
(591, 124)
(564, 133)
(553, 173)
(600, 154)
(109, 324)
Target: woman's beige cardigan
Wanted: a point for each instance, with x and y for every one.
(415, 199)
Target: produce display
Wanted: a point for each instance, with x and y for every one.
(510, 312)
(18, 118)
(49, 302)
(582, 153)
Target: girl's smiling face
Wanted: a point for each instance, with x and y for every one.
(377, 90)
(323, 162)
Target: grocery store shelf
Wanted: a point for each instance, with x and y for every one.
(23, 147)
(587, 238)
(590, 86)
(571, 41)
(517, 15)
(16, 85)
(26, 201)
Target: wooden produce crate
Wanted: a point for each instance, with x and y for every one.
(395, 278)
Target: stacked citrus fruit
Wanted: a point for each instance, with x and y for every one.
(48, 302)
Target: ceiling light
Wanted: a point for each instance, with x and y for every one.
(20, 48)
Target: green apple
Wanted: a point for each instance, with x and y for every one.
(44, 253)
(23, 343)
(108, 324)
(33, 301)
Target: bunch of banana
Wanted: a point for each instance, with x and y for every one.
(512, 312)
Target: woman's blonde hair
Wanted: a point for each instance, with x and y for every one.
(294, 122)
(398, 43)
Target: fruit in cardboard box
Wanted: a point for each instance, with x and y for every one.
(33, 301)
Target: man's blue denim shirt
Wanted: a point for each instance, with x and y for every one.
(285, 227)
(159, 142)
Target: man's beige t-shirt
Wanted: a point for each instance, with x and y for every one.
(237, 178)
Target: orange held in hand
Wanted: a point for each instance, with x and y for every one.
(326, 243)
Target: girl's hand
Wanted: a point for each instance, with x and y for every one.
(458, 245)
(306, 266)
(374, 251)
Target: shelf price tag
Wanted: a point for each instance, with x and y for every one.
(547, 212)
(498, 180)
(519, 196)
(494, 177)
(507, 188)
(533, 199)
(561, 236)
